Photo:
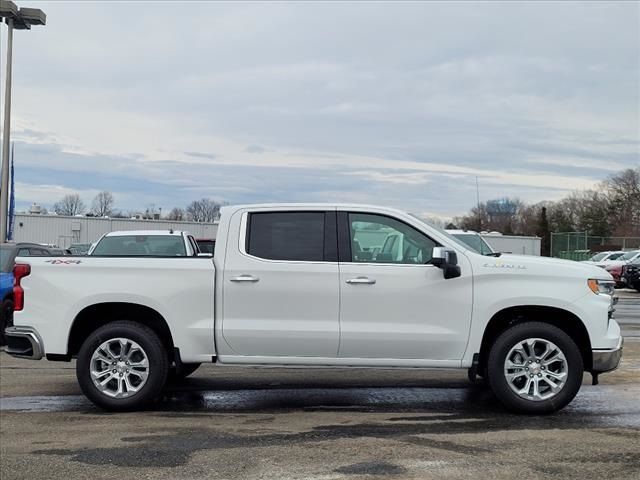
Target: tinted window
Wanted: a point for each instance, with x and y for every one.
(7, 256)
(141, 246)
(380, 239)
(206, 246)
(24, 252)
(286, 235)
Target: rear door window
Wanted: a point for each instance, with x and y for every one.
(296, 236)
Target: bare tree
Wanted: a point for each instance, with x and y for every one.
(70, 205)
(177, 213)
(204, 210)
(103, 204)
(623, 194)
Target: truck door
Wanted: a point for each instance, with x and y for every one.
(280, 284)
(394, 304)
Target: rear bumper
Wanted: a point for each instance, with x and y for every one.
(24, 342)
(607, 360)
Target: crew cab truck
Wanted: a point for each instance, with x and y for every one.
(308, 285)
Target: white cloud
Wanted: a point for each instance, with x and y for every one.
(48, 194)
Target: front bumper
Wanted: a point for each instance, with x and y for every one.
(24, 342)
(607, 360)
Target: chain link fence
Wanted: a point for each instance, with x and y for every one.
(582, 246)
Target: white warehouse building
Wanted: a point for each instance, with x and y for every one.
(65, 231)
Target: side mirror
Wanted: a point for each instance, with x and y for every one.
(447, 260)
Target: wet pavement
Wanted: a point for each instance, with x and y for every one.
(628, 312)
(235, 423)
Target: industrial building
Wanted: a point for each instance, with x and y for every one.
(518, 244)
(65, 231)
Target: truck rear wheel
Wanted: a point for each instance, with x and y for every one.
(6, 312)
(122, 366)
(535, 367)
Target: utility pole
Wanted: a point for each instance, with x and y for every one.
(478, 206)
(4, 189)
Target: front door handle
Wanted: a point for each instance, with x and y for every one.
(361, 280)
(244, 278)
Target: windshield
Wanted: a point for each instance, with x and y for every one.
(629, 255)
(141, 246)
(598, 257)
(474, 241)
(7, 257)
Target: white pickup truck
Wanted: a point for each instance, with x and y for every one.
(308, 285)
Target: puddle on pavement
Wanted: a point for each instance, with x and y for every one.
(604, 405)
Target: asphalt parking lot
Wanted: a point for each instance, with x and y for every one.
(319, 424)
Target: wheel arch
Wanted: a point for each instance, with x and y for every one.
(563, 319)
(95, 316)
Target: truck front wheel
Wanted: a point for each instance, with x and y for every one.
(122, 366)
(535, 367)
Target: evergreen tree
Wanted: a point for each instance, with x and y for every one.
(544, 233)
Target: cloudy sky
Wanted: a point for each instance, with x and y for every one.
(401, 104)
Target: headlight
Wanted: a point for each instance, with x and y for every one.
(601, 287)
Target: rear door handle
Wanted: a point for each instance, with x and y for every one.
(361, 280)
(244, 278)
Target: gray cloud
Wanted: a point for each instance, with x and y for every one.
(209, 156)
(255, 149)
(342, 101)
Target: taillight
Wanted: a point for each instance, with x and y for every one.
(20, 270)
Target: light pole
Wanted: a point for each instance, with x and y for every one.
(16, 19)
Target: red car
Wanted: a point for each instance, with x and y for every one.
(616, 273)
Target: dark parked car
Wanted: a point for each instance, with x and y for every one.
(8, 253)
(631, 274)
(206, 245)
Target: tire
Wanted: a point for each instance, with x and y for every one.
(186, 369)
(131, 385)
(541, 375)
(6, 312)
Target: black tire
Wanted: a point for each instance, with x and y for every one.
(186, 369)
(158, 365)
(510, 338)
(6, 312)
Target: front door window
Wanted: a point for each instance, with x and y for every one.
(381, 239)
